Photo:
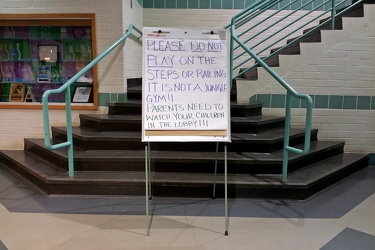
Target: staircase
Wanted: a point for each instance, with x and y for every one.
(110, 157)
(110, 160)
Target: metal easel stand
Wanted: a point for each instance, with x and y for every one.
(148, 184)
(225, 183)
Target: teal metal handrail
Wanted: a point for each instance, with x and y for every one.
(290, 92)
(66, 87)
(248, 46)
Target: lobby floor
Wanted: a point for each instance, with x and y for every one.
(340, 217)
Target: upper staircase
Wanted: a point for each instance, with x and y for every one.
(109, 156)
(310, 35)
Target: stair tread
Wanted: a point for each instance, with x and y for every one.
(263, 158)
(133, 102)
(303, 177)
(94, 135)
(315, 172)
(111, 118)
(245, 105)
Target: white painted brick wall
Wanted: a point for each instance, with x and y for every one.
(344, 68)
(352, 59)
(113, 17)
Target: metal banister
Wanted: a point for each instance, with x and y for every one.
(248, 15)
(66, 87)
(290, 92)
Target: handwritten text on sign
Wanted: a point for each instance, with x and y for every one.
(186, 84)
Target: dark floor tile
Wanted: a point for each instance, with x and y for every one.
(350, 239)
(2, 246)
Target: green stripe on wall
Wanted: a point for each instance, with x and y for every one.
(320, 101)
(225, 4)
(104, 98)
(278, 101)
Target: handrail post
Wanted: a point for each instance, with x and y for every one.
(286, 136)
(333, 14)
(69, 132)
(231, 59)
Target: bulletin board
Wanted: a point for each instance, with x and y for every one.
(185, 85)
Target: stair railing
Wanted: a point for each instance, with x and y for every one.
(238, 21)
(326, 8)
(66, 89)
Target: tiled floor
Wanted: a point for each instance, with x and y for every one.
(341, 217)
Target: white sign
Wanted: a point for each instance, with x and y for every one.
(186, 86)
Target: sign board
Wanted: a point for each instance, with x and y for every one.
(186, 85)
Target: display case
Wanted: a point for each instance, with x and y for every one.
(41, 52)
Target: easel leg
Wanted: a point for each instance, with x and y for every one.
(149, 172)
(217, 151)
(147, 187)
(226, 188)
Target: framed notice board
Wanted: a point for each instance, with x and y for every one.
(186, 85)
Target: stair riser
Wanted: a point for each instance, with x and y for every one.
(245, 112)
(273, 61)
(291, 50)
(111, 126)
(191, 165)
(236, 127)
(136, 95)
(315, 37)
(125, 110)
(235, 146)
(98, 189)
(233, 96)
(251, 74)
(255, 129)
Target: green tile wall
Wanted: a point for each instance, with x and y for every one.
(228, 4)
(171, 4)
(104, 98)
(278, 101)
(319, 101)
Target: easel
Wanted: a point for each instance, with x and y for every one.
(148, 184)
(185, 96)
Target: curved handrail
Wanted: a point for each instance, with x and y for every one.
(66, 87)
(248, 15)
(290, 92)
